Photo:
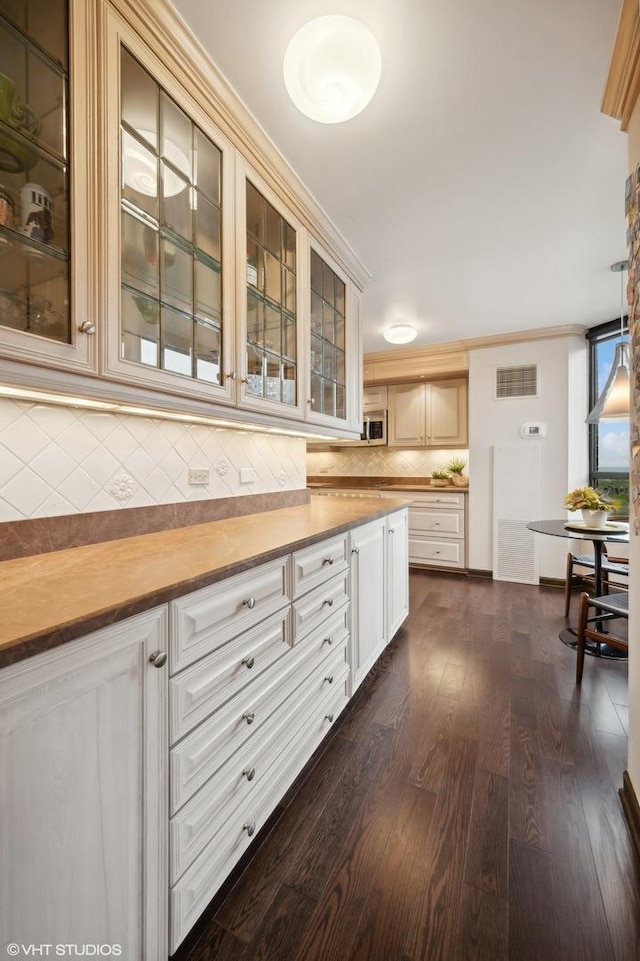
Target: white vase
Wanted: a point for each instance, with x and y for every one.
(594, 518)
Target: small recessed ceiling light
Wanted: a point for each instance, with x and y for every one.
(332, 68)
(400, 334)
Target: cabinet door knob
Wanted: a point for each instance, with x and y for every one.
(328, 640)
(230, 376)
(355, 550)
(328, 717)
(392, 530)
(158, 658)
(329, 678)
(328, 601)
(327, 560)
(249, 773)
(249, 827)
(87, 327)
(250, 602)
(248, 716)
(248, 661)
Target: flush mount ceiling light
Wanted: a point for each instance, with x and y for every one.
(613, 403)
(400, 334)
(332, 68)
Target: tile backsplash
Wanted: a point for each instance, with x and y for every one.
(58, 460)
(379, 461)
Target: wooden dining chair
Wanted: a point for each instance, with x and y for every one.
(594, 613)
(580, 569)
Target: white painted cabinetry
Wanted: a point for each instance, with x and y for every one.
(83, 775)
(428, 415)
(437, 529)
(397, 582)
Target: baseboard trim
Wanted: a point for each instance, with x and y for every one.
(552, 582)
(631, 810)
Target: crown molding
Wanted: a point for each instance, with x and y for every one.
(622, 86)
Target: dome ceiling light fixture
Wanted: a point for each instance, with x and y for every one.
(332, 68)
(400, 334)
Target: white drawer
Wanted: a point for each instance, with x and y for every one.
(439, 521)
(199, 755)
(206, 813)
(445, 553)
(316, 564)
(203, 620)
(205, 686)
(441, 499)
(310, 611)
(201, 880)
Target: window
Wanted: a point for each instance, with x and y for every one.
(608, 439)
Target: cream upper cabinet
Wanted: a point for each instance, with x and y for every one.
(170, 292)
(47, 308)
(428, 415)
(374, 398)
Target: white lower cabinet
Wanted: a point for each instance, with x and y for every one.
(437, 529)
(83, 793)
(397, 566)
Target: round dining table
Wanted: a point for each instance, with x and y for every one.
(614, 531)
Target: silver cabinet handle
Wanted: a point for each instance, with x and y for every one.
(328, 640)
(329, 678)
(355, 550)
(248, 662)
(328, 717)
(327, 560)
(249, 773)
(250, 602)
(158, 658)
(249, 827)
(87, 327)
(249, 717)
(328, 601)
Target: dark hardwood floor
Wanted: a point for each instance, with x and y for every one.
(466, 806)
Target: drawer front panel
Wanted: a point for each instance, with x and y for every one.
(436, 552)
(310, 611)
(446, 501)
(440, 521)
(316, 564)
(202, 879)
(202, 688)
(207, 618)
(247, 770)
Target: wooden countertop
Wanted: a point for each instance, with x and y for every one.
(48, 599)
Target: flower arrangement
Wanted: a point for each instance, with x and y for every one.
(456, 465)
(587, 498)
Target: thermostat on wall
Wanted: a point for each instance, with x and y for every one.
(533, 429)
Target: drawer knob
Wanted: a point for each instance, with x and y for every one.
(355, 550)
(392, 530)
(328, 717)
(327, 560)
(329, 678)
(248, 661)
(248, 716)
(249, 827)
(158, 658)
(250, 602)
(328, 601)
(328, 640)
(437, 552)
(249, 773)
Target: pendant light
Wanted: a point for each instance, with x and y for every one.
(613, 402)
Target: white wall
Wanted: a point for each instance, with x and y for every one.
(561, 404)
(57, 460)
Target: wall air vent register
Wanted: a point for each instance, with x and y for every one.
(521, 381)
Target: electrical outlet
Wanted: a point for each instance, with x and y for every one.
(247, 475)
(199, 476)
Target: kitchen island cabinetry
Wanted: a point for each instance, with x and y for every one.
(428, 415)
(83, 792)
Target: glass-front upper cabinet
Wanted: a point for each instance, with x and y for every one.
(174, 292)
(38, 286)
(269, 278)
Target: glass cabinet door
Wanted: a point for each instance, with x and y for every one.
(271, 328)
(171, 233)
(34, 169)
(327, 341)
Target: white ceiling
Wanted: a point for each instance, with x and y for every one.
(482, 187)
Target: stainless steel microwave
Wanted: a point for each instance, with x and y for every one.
(374, 430)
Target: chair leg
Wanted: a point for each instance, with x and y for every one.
(568, 584)
(582, 625)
